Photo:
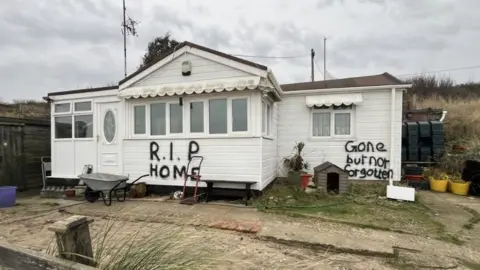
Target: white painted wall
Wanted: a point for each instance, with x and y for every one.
(269, 151)
(233, 159)
(202, 69)
(371, 124)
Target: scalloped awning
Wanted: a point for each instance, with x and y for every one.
(198, 87)
(337, 100)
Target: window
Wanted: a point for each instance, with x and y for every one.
(63, 127)
(218, 116)
(62, 108)
(139, 116)
(266, 117)
(321, 124)
(332, 121)
(158, 124)
(176, 118)
(83, 106)
(76, 125)
(83, 126)
(239, 115)
(196, 117)
(109, 126)
(217, 113)
(342, 124)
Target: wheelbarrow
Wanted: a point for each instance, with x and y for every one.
(105, 185)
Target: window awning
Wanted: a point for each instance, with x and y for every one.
(337, 100)
(198, 87)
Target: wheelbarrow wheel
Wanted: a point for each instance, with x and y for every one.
(91, 196)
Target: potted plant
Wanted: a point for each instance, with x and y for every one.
(297, 166)
(438, 181)
(457, 186)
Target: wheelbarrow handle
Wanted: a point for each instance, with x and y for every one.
(145, 175)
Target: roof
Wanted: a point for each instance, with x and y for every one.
(324, 166)
(373, 80)
(196, 46)
(85, 90)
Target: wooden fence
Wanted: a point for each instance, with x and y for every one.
(22, 143)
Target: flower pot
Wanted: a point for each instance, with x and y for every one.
(8, 196)
(304, 180)
(70, 193)
(459, 188)
(438, 185)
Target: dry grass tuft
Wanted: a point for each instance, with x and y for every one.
(463, 118)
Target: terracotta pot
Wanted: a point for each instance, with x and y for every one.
(304, 180)
(70, 193)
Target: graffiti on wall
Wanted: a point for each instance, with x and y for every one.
(161, 165)
(363, 160)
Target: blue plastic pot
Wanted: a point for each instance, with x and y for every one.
(7, 196)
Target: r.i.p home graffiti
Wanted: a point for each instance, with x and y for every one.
(163, 166)
(368, 163)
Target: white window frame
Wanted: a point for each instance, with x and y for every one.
(205, 119)
(332, 112)
(147, 119)
(230, 116)
(72, 113)
(186, 118)
(268, 118)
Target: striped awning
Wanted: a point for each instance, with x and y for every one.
(198, 87)
(336, 99)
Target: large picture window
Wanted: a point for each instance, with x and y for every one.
(239, 115)
(158, 119)
(73, 125)
(333, 121)
(199, 117)
(217, 116)
(176, 118)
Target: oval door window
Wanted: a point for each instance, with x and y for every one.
(109, 126)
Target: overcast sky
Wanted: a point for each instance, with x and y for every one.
(54, 45)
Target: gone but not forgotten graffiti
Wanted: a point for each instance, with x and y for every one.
(377, 166)
(165, 171)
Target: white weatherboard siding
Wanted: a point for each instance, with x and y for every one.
(202, 69)
(232, 159)
(269, 151)
(371, 123)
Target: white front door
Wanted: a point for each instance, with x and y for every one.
(109, 138)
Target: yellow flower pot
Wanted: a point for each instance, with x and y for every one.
(438, 185)
(459, 188)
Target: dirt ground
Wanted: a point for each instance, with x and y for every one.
(26, 225)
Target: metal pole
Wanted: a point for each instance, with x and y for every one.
(313, 56)
(124, 39)
(324, 58)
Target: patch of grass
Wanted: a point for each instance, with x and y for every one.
(287, 195)
(364, 205)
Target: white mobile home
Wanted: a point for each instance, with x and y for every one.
(233, 112)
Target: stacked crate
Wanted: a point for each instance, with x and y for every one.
(404, 142)
(425, 142)
(438, 138)
(412, 139)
